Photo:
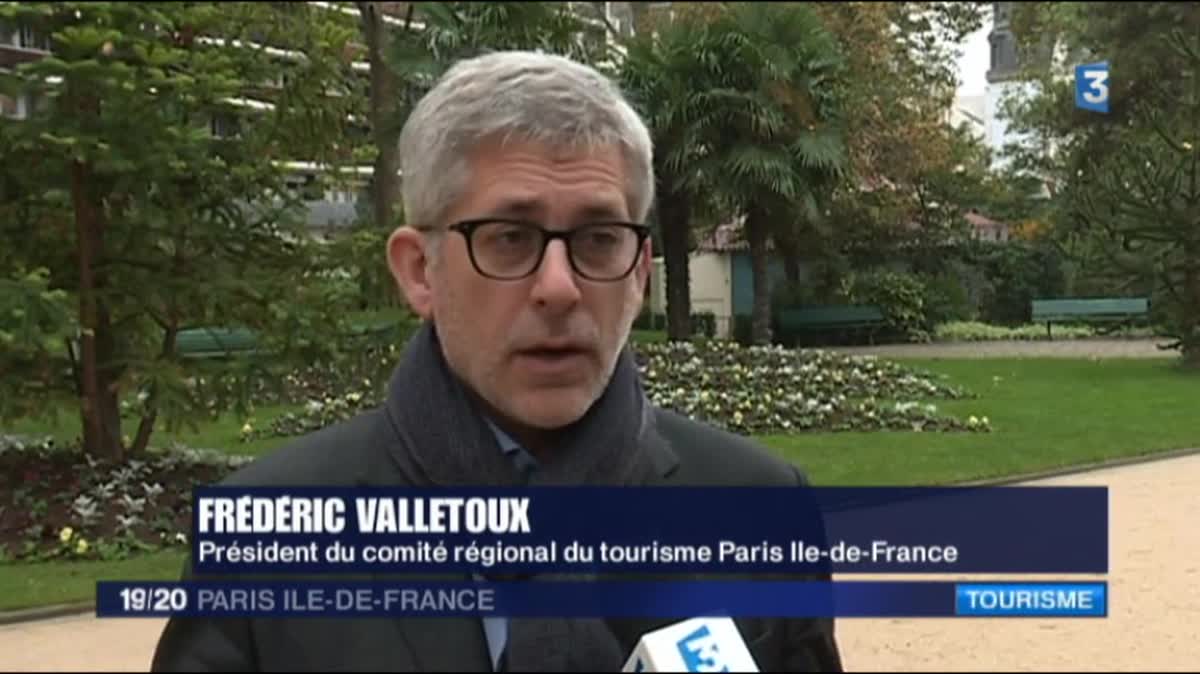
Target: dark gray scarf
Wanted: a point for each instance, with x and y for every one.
(444, 440)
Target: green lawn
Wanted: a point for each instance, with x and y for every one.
(65, 582)
(1046, 413)
(224, 434)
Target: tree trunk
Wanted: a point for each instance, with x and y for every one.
(790, 254)
(1190, 314)
(385, 89)
(674, 217)
(756, 234)
(99, 407)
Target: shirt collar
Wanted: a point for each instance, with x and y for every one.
(508, 445)
(525, 462)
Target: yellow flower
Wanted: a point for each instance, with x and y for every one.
(65, 534)
(81, 547)
(247, 429)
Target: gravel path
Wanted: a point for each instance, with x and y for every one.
(1154, 596)
(1154, 614)
(1066, 348)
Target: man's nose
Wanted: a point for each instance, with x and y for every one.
(555, 284)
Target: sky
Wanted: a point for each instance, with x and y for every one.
(973, 61)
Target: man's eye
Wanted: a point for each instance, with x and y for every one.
(513, 236)
(601, 238)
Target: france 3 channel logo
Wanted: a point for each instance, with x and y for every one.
(1091, 86)
(700, 652)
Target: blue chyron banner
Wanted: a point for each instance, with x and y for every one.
(668, 530)
(607, 599)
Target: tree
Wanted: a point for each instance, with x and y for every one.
(1128, 183)
(666, 76)
(777, 144)
(458, 30)
(117, 194)
(385, 89)
(900, 81)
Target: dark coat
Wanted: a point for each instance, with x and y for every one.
(355, 453)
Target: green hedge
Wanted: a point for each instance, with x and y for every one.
(973, 331)
(704, 323)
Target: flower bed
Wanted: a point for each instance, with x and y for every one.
(743, 389)
(60, 503)
(759, 389)
(57, 503)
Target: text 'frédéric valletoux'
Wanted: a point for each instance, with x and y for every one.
(373, 515)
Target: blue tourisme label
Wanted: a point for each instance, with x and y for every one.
(1032, 599)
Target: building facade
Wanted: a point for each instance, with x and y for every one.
(329, 207)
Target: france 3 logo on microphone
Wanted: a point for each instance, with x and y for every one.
(700, 651)
(695, 645)
(1091, 86)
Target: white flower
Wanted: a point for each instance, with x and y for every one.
(127, 521)
(66, 534)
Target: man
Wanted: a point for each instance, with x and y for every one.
(527, 180)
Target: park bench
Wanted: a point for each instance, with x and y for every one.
(831, 317)
(1112, 311)
(215, 342)
(223, 342)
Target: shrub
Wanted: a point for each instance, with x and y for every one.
(899, 296)
(947, 299)
(1017, 273)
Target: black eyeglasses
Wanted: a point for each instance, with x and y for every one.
(509, 250)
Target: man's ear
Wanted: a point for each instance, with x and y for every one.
(645, 265)
(407, 256)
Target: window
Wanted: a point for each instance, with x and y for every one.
(225, 126)
(12, 108)
(29, 38)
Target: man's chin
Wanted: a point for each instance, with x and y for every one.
(551, 409)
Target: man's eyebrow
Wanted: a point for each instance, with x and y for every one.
(600, 211)
(517, 208)
(532, 208)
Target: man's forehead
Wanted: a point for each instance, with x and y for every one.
(511, 193)
(603, 205)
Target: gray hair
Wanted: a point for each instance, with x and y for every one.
(533, 96)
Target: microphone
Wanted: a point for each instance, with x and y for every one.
(695, 645)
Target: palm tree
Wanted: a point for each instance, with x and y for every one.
(405, 62)
(771, 127)
(664, 75)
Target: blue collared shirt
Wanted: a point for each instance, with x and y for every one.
(495, 629)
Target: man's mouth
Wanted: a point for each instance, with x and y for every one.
(553, 352)
(553, 360)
